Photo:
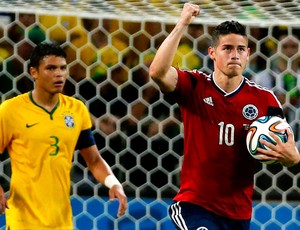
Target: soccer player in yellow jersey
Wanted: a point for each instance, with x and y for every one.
(41, 129)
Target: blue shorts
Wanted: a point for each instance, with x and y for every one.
(187, 216)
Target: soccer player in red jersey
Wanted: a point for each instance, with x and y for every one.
(217, 172)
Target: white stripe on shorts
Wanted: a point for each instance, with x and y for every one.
(177, 217)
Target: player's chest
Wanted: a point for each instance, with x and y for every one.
(36, 123)
(236, 109)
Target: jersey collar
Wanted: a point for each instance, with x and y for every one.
(224, 92)
(51, 112)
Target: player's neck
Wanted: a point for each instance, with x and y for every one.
(46, 100)
(228, 84)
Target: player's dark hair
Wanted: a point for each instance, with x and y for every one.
(44, 49)
(227, 27)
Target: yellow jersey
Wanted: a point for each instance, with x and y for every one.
(41, 146)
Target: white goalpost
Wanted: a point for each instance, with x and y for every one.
(110, 45)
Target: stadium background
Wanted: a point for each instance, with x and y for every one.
(110, 45)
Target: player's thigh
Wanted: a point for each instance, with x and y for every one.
(188, 216)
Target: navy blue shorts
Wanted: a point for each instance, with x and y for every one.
(187, 216)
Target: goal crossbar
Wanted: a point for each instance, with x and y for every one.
(261, 13)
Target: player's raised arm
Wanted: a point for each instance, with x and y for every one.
(161, 70)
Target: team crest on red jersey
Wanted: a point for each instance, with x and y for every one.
(250, 112)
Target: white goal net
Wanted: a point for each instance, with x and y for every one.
(110, 45)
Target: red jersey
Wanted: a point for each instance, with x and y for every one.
(217, 171)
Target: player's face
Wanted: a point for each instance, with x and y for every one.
(51, 74)
(231, 54)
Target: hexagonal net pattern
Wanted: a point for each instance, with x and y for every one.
(138, 130)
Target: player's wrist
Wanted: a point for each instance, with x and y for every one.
(110, 181)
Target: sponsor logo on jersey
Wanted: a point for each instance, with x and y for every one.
(209, 101)
(30, 125)
(250, 112)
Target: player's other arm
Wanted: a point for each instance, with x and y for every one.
(3, 201)
(3, 144)
(286, 153)
(161, 70)
(103, 174)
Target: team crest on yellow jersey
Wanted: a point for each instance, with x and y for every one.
(69, 120)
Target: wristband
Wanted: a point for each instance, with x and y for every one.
(110, 181)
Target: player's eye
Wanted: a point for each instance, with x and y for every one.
(50, 67)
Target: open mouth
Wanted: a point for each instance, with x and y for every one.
(59, 83)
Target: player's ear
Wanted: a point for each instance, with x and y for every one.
(211, 52)
(248, 49)
(33, 72)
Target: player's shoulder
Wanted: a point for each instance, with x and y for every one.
(68, 98)
(192, 78)
(16, 101)
(195, 74)
(70, 101)
(252, 85)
